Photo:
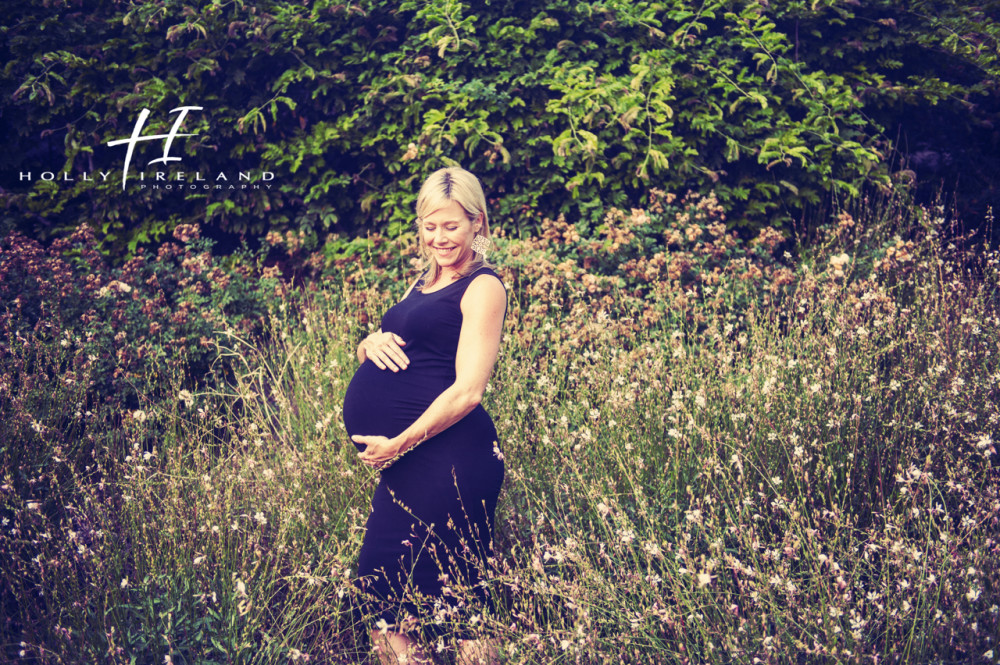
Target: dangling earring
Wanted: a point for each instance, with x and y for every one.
(481, 245)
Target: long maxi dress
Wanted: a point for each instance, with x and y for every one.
(431, 520)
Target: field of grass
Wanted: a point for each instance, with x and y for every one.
(717, 451)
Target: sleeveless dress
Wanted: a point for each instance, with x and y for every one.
(431, 520)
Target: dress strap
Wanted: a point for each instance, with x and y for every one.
(479, 271)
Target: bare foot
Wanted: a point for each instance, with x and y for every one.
(477, 652)
(397, 648)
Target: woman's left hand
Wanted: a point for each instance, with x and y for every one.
(379, 449)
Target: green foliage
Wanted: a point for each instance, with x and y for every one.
(564, 107)
(660, 266)
(823, 461)
(127, 326)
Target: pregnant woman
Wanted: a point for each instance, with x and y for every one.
(413, 410)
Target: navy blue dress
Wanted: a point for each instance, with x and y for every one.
(431, 521)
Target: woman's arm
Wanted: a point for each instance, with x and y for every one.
(483, 306)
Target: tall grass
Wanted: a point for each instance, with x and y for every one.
(748, 461)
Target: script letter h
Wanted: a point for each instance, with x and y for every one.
(169, 138)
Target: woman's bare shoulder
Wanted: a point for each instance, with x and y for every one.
(487, 281)
(486, 290)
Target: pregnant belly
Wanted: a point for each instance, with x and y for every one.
(382, 402)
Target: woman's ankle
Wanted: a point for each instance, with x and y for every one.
(397, 648)
(477, 652)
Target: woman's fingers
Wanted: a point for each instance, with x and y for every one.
(383, 360)
(389, 355)
(384, 350)
(397, 356)
(374, 454)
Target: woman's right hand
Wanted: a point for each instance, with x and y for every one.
(384, 349)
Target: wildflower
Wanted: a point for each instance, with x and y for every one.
(139, 415)
(704, 579)
(603, 509)
(838, 263)
(260, 519)
(973, 594)
(124, 582)
(985, 443)
(411, 152)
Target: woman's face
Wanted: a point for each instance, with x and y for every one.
(447, 234)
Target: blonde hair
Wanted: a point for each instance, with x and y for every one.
(441, 188)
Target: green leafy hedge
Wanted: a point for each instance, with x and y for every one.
(561, 107)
